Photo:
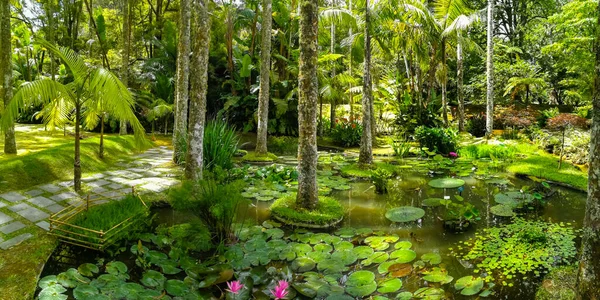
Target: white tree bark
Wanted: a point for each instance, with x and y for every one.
(265, 72)
(366, 141)
(489, 112)
(126, 54)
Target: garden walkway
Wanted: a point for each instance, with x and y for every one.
(21, 210)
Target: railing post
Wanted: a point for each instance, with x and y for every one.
(87, 202)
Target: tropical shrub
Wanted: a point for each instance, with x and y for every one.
(488, 151)
(516, 117)
(283, 144)
(193, 236)
(441, 140)
(584, 111)
(220, 145)
(401, 147)
(547, 114)
(476, 125)
(346, 133)
(380, 179)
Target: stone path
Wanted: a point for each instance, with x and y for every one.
(22, 210)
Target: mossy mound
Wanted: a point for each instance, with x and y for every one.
(559, 284)
(255, 157)
(329, 212)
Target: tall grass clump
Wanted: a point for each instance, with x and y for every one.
(220, 145)
(104, 217)
(214, 203)
(488, 151)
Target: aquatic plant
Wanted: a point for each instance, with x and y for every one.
(404, 214)
(280, 290)
(380, 178)
(329, 211)
(446, 183)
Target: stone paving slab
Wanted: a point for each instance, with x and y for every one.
(50, 188)
(4, 218)
(2, 204)
(34, 193)
(13, 197)
(157, 188)
(64, 196)
(98, 190)
(16, 240)
(98, 183)
(115, 186)
(43, 225)
(41, 201)
(12, 227)
(33, 214)
(55, 208)
(19, 207)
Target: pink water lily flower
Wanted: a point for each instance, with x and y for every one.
(234, 287)
(453, 154)
(280, 290)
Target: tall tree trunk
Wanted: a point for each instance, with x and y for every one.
(332, 51)
(126, 49)
(199, 85)
(444, 83)
(265, 72)
(366, 141)
(229, 45)
(489, 111)
(77, 160)
(308, 89)
(350, 102)
(459, 83)
(10, 144)
(101, 152)
(589, 264)
(182, 80)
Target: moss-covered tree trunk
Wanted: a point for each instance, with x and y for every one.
(444, 83)
(366, 141)
(10, 144)
(126, 49)
(588, 280)
(199, 85)
(182, 79)
(77, 159)
(459, 86)
(333, 106)
(265, 71)
(307, 105)
(489, 111)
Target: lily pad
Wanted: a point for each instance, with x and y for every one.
(400, 270)
(391, 285)
(469, 285)
(86, 291)
(432, 202)
(432, 258)
(88, 269)
(347, 257)
(376, 257)
(49, 280)
(404, 296)
(153, 279)
(363, 252)
(361, 284)
(403, 255)
(404, 214)
(403, 245)
(437, 275)
(176, 288)
(429, 293)
(446, 183)
(303, 264)
(502, 210)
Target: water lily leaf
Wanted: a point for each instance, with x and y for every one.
(71, 278)
(88, 269)
(318, 256)
(303, 264)
(153, 279)
(127, 290)
(432, 202)
(404, 296)
(437, 275)
(49, 281)
(346, 232)
(400, 270)
(498, 181)
(343, 245)
(274, 233)
(403, 255)
(383, 267)
(347, 257)
(403, 245)
(361, 284)
(502, 210)
(169, 267)
(116, 267)
(319, 238)
(85, 291)
(54, 292)
(390, 285)
(364, 231)
(323, 248)
(469, 285)
(363, 252)
(446, 183)
(176, 288)
(331, 266)
(432, 258)
(429, 293)
(376, 257)
(339, 297)
(404, 214)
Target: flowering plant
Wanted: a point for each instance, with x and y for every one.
(280, 290)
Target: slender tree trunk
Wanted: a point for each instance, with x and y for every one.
(332, 51)
(182, 80)
(589, 264)
(366, 142)
(265, 72)
(101, 152)
(350, 66)
(308, 87)
(489, 112)
(199, 85)
(126, 49)
(229, 45)
(77, 160)
(444, 83)
(10, 144)
(459, 83)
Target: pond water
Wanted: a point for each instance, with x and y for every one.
(365, 208)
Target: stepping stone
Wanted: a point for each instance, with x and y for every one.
(12, 227)
(33, 214)
(115, 186)
(50, 188)
(41, 201)
(34, 193)
(98, 190)
(16, 240)
(119, 180)
(2, 204)
(113, 194)
(55, 208)
(66, 184)
(76, 202)
(4, 218)
(64, 196)
(13, 197)
(93, 177)
(98, 183)
(43, 225)
(136, 170)
(153, 187)
(19, 207)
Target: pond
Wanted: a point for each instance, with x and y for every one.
(366, 209)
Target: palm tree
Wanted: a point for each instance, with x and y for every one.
(366, 142)
(10, 145)
(92, 88)
(199, 87)
(265, 72)
(489, 111)
(308, 89)
(182, 81)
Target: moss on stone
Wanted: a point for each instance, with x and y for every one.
(255, 157)
(559, 284)
(328, 212)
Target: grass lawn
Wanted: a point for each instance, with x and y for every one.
(48, 156)
(545, 166)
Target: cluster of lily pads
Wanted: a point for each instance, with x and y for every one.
(508, 202)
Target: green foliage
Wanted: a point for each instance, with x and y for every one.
(252, 156)
(346, 133)
(283, 144)
(559, 284)
(220, 145)
(187, 236)
(544, 166)
(214, 203)
(547, 114)
(328, 211)
(440, 140)
(401, 147)
(488, 151)
(380, 178)
(476, 125)
(522, 247)
(104, 217)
